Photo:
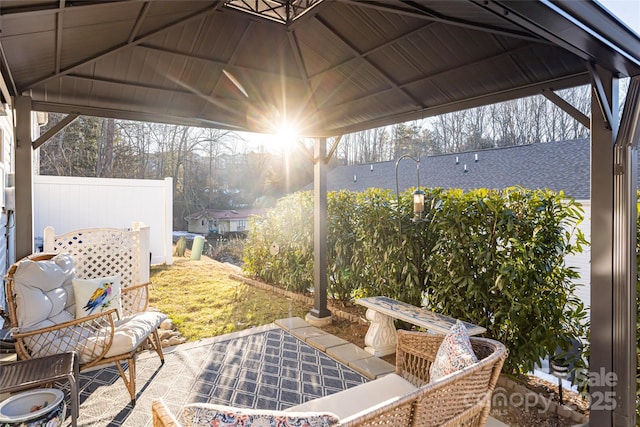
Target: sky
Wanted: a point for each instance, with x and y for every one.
(628, 11)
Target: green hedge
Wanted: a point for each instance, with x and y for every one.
(494, 258)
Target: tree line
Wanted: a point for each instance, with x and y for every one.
(211, 168)
(517, 122)
(215, 168)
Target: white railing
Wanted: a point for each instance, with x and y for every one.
(96, 251)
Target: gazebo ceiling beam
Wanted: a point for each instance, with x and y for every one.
(47, 8)
(139, 20)
(565, 106)
(140, 85)
(430, 111)
(420, 12)
(433, 76)
(205, 59)
(140, 116)
(63, 123)
(59, 28)
(230, 62)
(295, 49)
(601, 96)
(499, 9)
(200, 13)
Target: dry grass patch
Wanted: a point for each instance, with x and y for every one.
(204, 302)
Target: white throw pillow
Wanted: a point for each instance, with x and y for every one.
(454, 354)
(41, 296)
(97, 295)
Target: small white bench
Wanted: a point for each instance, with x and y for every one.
(381, 338)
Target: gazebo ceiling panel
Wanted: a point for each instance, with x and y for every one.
(270, 52)
(330, 88)
(366, 28)
(217, 36)
(33, 63)
(341, 66)
(430, 52)
(318, 59)
(86, 17)
(31, 23)
(104, 38)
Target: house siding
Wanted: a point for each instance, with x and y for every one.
(582, 261)
(7, 249)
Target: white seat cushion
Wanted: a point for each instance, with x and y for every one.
(132, 330)
(362, 398)
(129, 333)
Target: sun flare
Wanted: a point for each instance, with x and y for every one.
(287, 135)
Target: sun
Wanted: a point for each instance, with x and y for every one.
(287, 135)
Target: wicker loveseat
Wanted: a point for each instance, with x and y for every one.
(459, 399)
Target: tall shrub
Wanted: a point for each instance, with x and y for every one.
(493, 258)
(279, 247)
(499, 263)
(341, 243)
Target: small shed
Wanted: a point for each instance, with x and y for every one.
(221, 221)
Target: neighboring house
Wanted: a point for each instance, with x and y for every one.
(221, 222)
(558, 166)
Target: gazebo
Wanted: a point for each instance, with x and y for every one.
(333, 67)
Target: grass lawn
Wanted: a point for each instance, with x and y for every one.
(204, 302)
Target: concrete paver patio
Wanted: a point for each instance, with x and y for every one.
(270, 367)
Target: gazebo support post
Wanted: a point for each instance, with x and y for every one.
(613, 258)
(23, 178)
(320, 314)
(625, 261)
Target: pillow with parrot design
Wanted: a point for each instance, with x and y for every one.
(97, 295)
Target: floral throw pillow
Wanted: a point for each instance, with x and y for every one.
(455, 353)
(207, 415)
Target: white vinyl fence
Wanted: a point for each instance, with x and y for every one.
(71, 203)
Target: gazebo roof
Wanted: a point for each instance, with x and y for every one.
(328, 67)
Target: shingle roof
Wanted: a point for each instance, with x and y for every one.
(556, 166)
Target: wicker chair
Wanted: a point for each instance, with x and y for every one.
(95, 337)
(460, 399)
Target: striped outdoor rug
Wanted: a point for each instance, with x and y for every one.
(264, 367)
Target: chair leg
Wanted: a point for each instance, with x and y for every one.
(157, 345)
(130, 382)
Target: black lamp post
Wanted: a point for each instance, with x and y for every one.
(418, 195)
